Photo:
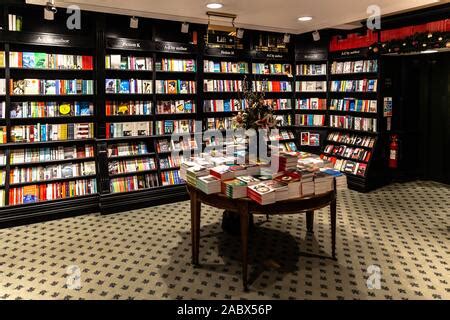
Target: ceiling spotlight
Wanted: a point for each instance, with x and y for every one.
(305, 18)
(50, 10)
(134, 23)
(440, 38)
(214, 5)
(287, 38)
(430, 35)
(240, 33)
(316, 35)
(185, 27)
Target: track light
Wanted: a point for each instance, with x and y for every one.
(50, 10)
(240, 33)
(287, 38)
(134, 23)
(185, 27)
(316, 35)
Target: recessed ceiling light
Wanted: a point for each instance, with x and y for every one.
(214, 5)
(429, 51)
(305, 18)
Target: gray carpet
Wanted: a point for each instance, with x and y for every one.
(402, 231)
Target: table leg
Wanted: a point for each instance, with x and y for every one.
(195, 227)
(244, 215)
(333, 228)
(310, 221)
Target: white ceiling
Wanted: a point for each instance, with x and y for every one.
(270, 15)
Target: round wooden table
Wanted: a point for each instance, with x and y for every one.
(245, 207)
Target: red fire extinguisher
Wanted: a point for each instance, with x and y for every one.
(393, 152)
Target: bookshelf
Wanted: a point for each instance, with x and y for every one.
(354, 110)
(311, 96)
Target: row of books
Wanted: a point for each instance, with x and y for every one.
(354, 66)
(353, 105)
(2, 158)
(132, 108)
(222, 85)
(131, 165)
(273, 69)
(348, 166)
(52, 191)
(166, 145)
(2, 197)
(134, 183)
(125, 86)
(2, 178)
(225, 67)
(175, 87)
(175, 106)
(128, 129)
(309, 120)
(2, 109)
(176, 65)
(169, 162)
(219, 123)
(355, 139)
(311, 139)
(226, 105)
(35, 155)
(272, 86)
(311, 86)
(365, 85)
(311, 104)
(3, 135)
(170, 178)
(59, 171)
(127, 149)
(174, 126)
(312, 69)
(121, 62)
(284, 120)
(280, 135)
(354, 123)
(348, 152)
(52, 132)
(2, 59)
(51, 87)
(51, 109)
(42, 60)
(279, 104)
(15, 22)
(2, 87)
(288, 147)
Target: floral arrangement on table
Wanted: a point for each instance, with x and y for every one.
(257, 114)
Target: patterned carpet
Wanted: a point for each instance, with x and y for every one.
(402, 231)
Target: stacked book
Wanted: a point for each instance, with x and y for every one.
(292, 179)
(341, 179)
(307, 183)
(286, 160)
(193, 173)
(261, 193)
(323, 183)
(209, 184)
(234, 189)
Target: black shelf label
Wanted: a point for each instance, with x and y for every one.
(49, 39)
(312, 55)
(358, 52)
(223, 52)
(174, 47)
(270, 55)
(129, 44)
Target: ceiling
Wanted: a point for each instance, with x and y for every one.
(269, 15)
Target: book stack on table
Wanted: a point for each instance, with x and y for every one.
(308, 175)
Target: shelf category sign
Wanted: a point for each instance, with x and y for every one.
(270, 55)
(51, 39)
(147, 45)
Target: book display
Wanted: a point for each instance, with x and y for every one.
(354, 117)
(49, 106)
(79, 122)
